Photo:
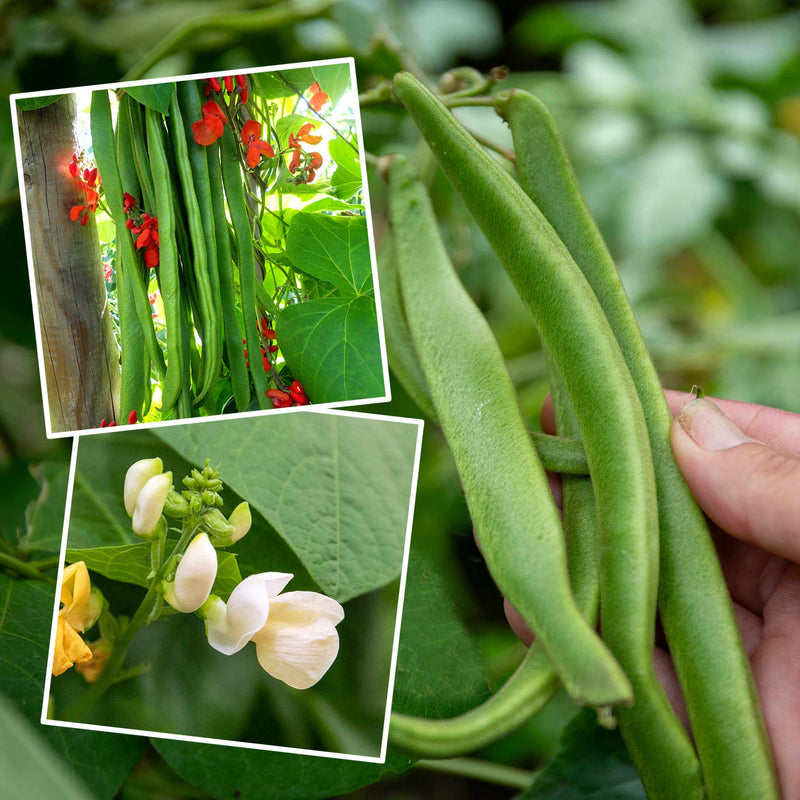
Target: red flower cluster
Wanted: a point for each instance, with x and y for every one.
(89, 180)
(210, 128)
(251, 139)
(213, 85)
(296, 396)
(144, 228)
(304, 165)
(318, 97)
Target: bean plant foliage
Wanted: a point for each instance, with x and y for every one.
(334, 521)
(230, 213)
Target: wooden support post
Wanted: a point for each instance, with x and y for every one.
(80, 355)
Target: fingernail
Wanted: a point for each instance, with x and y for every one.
(709, 427)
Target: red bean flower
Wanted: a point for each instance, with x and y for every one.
(256, 147)
(207, 130)
(304, 135)
(318, 97)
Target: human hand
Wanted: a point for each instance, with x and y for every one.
(742, 464)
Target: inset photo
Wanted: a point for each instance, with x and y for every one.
(236, 582)
(200, 246)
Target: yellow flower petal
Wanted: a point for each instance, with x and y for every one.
(69, 647)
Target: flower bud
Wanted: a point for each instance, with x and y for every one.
(176, 505)
(137, 476)
(241, 519)
(194, 576)
(150, 503)
(217, 527)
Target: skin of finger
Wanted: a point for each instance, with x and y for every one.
(776, 670)
(772, 426)
(750, 491)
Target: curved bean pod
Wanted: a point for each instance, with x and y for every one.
(515, 518)
(694, 604)
(106, 157)
(168, 260)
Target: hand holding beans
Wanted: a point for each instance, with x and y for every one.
(742, 464)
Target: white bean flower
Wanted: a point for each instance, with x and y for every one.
(299, 642)
(150, 503)
(136, 477)
(230, 626)
(194, 576)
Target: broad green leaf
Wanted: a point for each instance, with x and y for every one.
(271, 85)
(257, 775)
(592, 762)
(156, 96)
(130, 563)
(332, 249)
(100, 760)
(439, 670)
(332, 347)
(34, 103)
(333, 204)
(346, 180)
(334, 80)
(29, 766)
(45, 515)
(336, 488)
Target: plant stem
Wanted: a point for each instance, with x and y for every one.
(23, 568)
(488, 771)
(260, 19)
(109, 676)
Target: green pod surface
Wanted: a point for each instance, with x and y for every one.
(694, 604)
(104, 148)
(576, 333)
(198, 265)
(237, 206)
(656, 739)
(399, 345)
(190, 106)
(240, 381)
(141, 160)
(534, 681)
(168, 260)
(513, 513)
(135, 362)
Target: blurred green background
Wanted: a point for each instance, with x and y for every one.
(683, 121)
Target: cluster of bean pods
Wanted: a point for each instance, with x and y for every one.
(209, 288)
(632, 542)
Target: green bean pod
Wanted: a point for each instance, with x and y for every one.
(103, 145)
(240, 382)
(534, 681)
(190, 105)
(141, 160)
(135, 360)
(694, 604)
(237, 206)
(197, 266)
(575, 331)
(513, 513)
(168, 260)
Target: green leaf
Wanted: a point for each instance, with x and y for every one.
(336, 488)
(346, 179)
(156, 96)
(592, 762)
(227, 772)
(439, 670)
(332, 249)
(45, 515)
(34, 103)
(332, 347)
(100, 760)
(130, 563)
(272, 85)
(29, 766)
(334, 80)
